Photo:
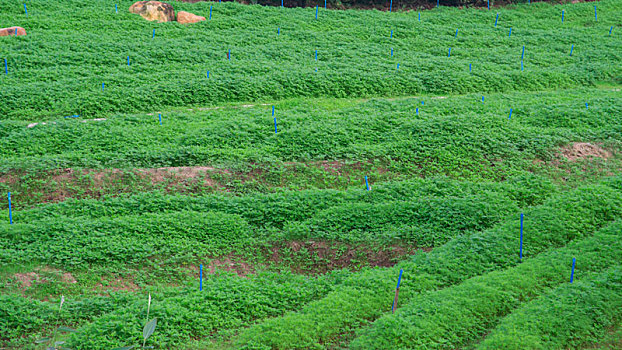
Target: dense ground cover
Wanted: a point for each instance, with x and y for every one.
(58, 68)
(295, 251)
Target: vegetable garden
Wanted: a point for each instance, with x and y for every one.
(184, 199)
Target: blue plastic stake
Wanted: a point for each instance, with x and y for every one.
(469, 68)
(229, 55)
(391, 6)
(278, 31)
(316, 55)
(26, 10)
(6, 67)
(420, 18)
(509, 35)
(417, 110)
(496, 20)
(160, 118)
(520, 253)
(273, 111)
(128, 60)
(489, 4)
(455, 36)
(316, 9)
(482, 99)
(595, 14)
(449, 53)
(521, 65)
(391, 33)
(574, 261)
(207, 74)
(367, 183)
(571, 48)
(510, 117)
(523, 54)
(210, 12)
(562, 16)
(437, 3)
(281, 3)
(398, 66)
(324, 4)
(10, 211)
(397, 291)
(610, 29)
(586, 107)
(201, 277)
(153, 35)
(116, 9)
(275, 131)
(391, 52)
(422, 103)
(103, 85)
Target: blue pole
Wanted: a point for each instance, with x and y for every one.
(10, 211)
(420, 20)
(273, 111)
(316, 9)
(160, 118)
(391, 6)
(26, 10)
(281, 3)
(278, 31)
(116, 9)
(469, 68)
(521, 65)
(324, 4)
(610, 29)
(449, 53)
(455, 36)
(316, 55)
(398, 66)
(562, 16)
(397, 291)
(422, 103)
(595, 14)
(153, 35)
(417, 110)
(275, 131)
(496, 20)
(201, 277)
(229, 55)
(366, 183)
(6, 67)
(510, 117)
(571, 48)
(437, 3)
(391, 52)
(482, 99)
(207, 74)
(391, 33)
(210, 12)
(586, 107)
(509, 35)
(520, 254)
(489, 4)
(128, 60)
(103, 87)
(523, 54)
(572, 272)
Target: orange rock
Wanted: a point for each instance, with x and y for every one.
(154, 11)
(11, 31)
(187, 17)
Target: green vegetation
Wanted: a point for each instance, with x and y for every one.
(112, 209)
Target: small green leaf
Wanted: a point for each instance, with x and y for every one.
(66, 329)
(149, 328)
(42, 340)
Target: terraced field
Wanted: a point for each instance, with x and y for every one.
(273, 203)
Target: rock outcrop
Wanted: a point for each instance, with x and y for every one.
(187, 17)
(154, 11)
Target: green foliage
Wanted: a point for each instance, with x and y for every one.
(566, 317)
(58, 70)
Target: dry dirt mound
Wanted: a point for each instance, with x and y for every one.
(582, 150)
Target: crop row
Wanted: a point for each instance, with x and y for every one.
(453, 317)
(366, 296)
(58, 72)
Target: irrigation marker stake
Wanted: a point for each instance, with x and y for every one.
(278, 31)
(391, 33)
(417, 110)
(437, 3)
(201, 277)
(10, 211)
(455, 36)
(229, 55)
(160, 118)
(324, 4)
(366, 183)
(391, 6)
(210, 12)
(116, 9)
(316, 54)
(103, 85)
(469, 68)
(571, 48)
(449, 53)
(586, 107)
(275, 131)
(482, 99)
(520, 253)
(509, 35)
(128, 60)
(523, 54)
(510, 117)
(397, 291)
(521, 65)
(420, 18)
(496, 20)
(489, 4)
(391, 52)
(208, 74)
(398, 66)
(316, 10)
(572, 272)
(562, 16)
(26, 10)
(610, 29)
(153, 35)
(595, 14)
(6, 67)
